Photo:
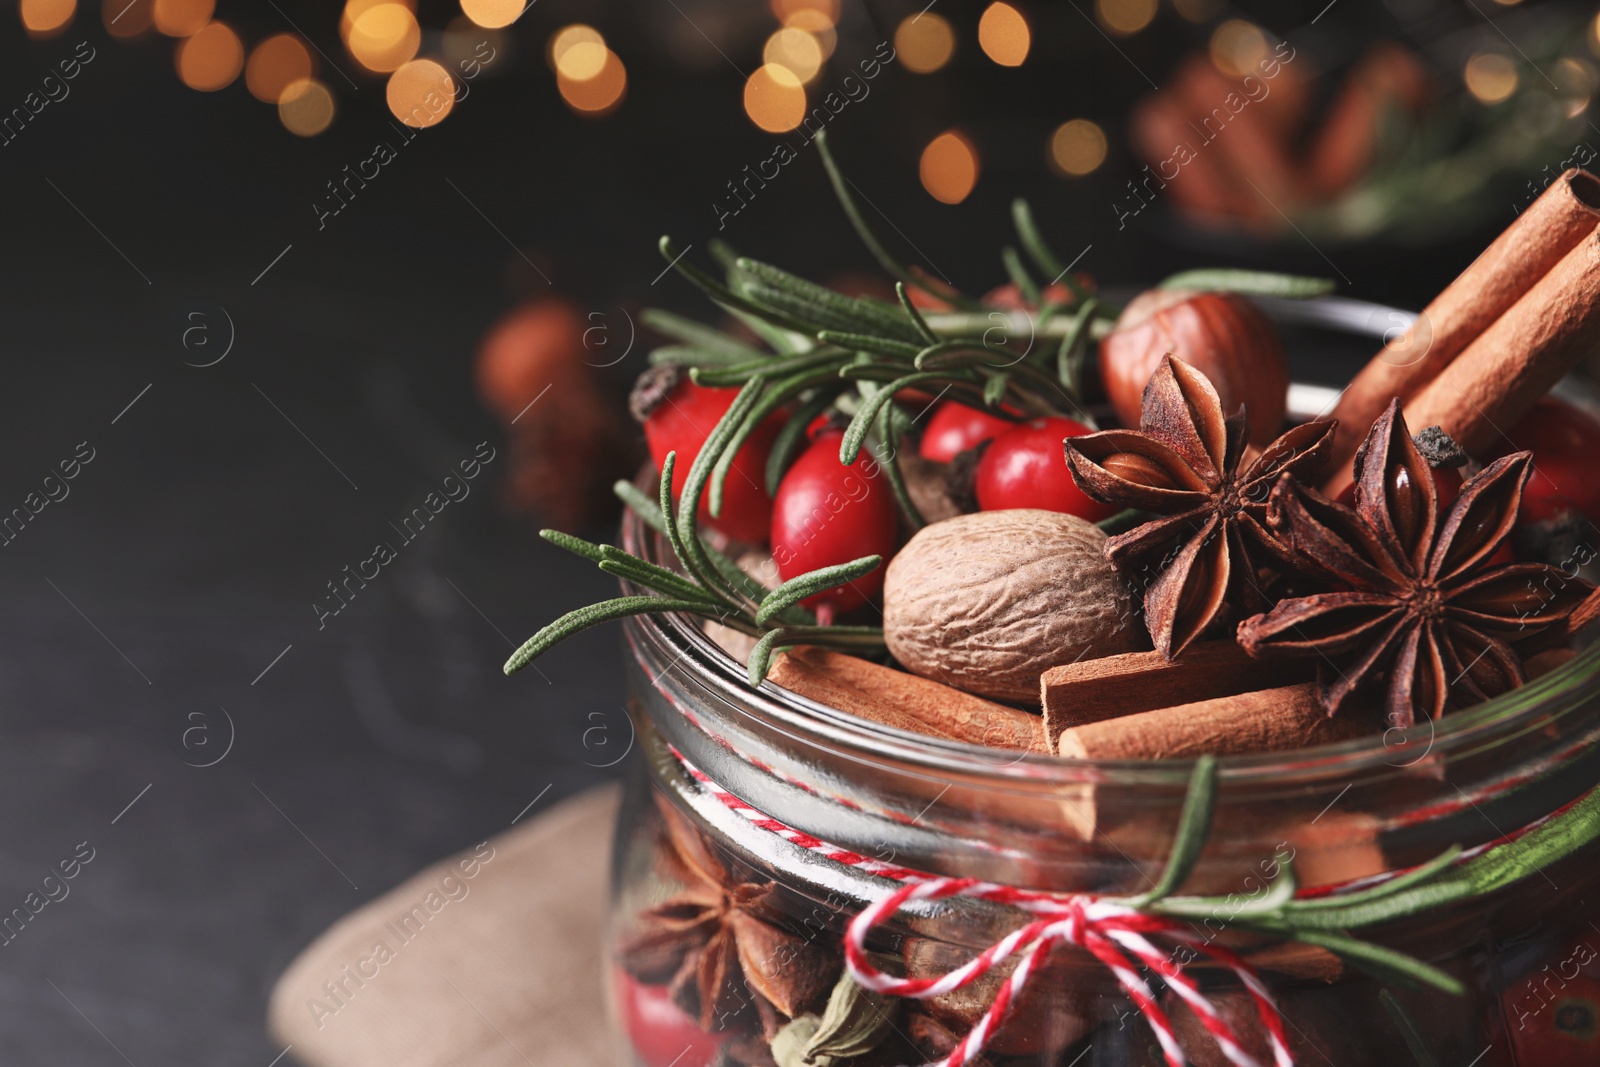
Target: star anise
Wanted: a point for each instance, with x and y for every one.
(1184, 464)
(720, 945)
(1416, 595)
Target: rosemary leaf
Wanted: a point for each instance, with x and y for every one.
(760, 661)
(694, 483)
(812, 582)
(994, 389)
(593, 615)
(1251, 283)
(1074, 350)
(698, 335)
(793, 435)
(894, 424)
(1561, 836)
(1194, 825)
(576, 545)
(1409, 1031)
(720, 294)
(856, 433)
(779, 394)
(914, 315)
(737, 374)
(847, 200)
(866, 342)
(1405, 881)
(643, 572)
(808, 301)
(1043, 256)
(1021, 278)
(688, 356)
(1383, 963)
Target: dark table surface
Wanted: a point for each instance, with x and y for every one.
(244, 773)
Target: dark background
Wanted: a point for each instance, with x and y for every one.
(164, 607)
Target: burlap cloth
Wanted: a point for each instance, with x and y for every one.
(488, 959)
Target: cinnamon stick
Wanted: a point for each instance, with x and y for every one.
(905, 701)
(1112, 686)
(1499, 376)
(1266, 720)
(1528, 250)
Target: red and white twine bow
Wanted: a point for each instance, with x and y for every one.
(1110, 931)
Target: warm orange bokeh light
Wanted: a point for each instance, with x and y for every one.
(210, 59)
(597, 95)
(949, 168)
(924, 42)
(275, 64)
(354, 9)
(385, 37)
(492, 14)
(41, 17)
(1238, 47)
(421, 93)
(305, 107)
(785, 10)
(1077, 148)
(181, 18)
(774, 98)
(795, 49)
(127, 18)
(1124, 17)
(566, 39)
(1003, 34)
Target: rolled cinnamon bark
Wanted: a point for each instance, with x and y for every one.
(905, 701)
(1528, 250)
(1493, 383)
(1267, 720)
(1109, 687)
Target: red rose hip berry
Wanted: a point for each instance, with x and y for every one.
(678, 416)
(826, 513)
(954, 428)
(1026, 468)
(1565, 442)
(660, 1033)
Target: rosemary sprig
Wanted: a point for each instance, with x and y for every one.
(1251, 283)
(1327, 921)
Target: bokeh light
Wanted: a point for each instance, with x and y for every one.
(305, 107)
(600, 94)
(784, 10)
(1490, 76)
(1577, 81)
(774, 98)
(385, 37)
(210, 59)
(1077, 148)
(1003, 34)
(275, 64)
(354, 9)
(182, 18)
(1238, 48)
(127, 18)
(924, 43)
(818, 25)
(1124, 17)
(582, 61)
(421, 93)
(43, 17)
(492, 14)
(565, 40)
(796, 50)
(1594, 35)
(1198, 10)
(949, 168)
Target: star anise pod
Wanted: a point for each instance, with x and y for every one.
(720, 945)
(1183, 463)
(1416, 595)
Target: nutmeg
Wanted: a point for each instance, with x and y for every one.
(987, 602)
(1223, 335)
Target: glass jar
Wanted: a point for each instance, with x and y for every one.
(724, 925)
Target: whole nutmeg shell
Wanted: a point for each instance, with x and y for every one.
(1222, 335)
(987, 602)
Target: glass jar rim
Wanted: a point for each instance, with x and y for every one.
(1472, 731)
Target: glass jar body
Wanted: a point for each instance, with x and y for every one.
(728, 920)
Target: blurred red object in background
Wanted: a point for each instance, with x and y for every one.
(569, 437)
